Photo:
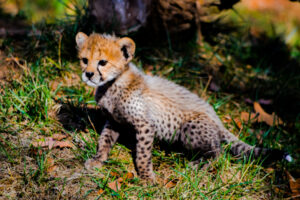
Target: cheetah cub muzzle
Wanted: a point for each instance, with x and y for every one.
(153, 106)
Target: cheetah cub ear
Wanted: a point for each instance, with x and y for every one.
(80, 39)
(127, 46)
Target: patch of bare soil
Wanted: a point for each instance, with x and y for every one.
(9, 69)
(27, 172)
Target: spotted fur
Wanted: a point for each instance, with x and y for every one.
(154, 106)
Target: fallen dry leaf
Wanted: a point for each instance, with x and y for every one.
(170, 184)
(48, 142)
(261, 116)
(129, 176)
(114, 174)
(120, 180)
(269, 119)
(35, 151)
(49, 162)
(269, 170)
(51, 143)
(278, 190)
(238, 123)
(50, 165)
(228, 119)
(115, 185)
(51, 169)
(100, 191)
(58, 136)
(63, 144)
(248, 116)
(294, 184)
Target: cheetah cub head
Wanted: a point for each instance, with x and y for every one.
(103, 57)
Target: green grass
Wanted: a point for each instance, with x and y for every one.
(29, 111)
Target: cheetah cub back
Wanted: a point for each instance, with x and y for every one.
(155, 107)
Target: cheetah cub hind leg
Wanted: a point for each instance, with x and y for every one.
(201, 135)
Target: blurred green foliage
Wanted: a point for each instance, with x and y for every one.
(37, 10)
(272, 23)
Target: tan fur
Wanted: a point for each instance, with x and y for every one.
(155, 107)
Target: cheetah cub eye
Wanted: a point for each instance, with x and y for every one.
(85, 61)
(102, 62)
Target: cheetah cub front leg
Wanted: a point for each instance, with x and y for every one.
(145, 136)
(107, 139)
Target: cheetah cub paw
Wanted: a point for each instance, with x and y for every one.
(151, 180)
(91, 164)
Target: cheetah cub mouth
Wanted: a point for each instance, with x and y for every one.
(103, 57)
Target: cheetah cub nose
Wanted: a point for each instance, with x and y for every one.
(89, 74)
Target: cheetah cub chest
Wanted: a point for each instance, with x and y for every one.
(155, 107)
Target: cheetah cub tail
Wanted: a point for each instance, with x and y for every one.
(239, 147)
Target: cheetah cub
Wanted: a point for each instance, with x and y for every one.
(153, 106)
